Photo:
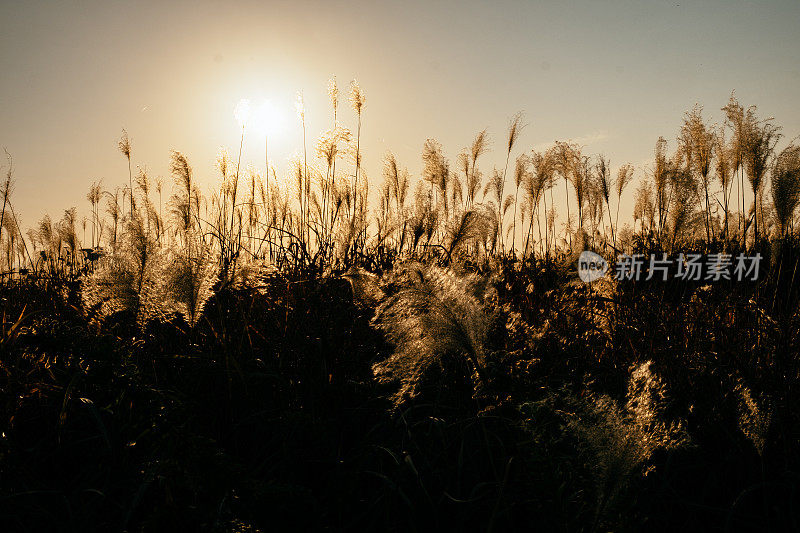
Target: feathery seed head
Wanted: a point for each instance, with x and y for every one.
(125, 144)
(357, 97)
(514, 128)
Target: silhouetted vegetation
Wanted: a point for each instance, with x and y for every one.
(303, 353)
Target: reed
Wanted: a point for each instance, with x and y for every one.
(124, 146)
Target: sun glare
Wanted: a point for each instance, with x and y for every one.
(267, 118)
(242, 111)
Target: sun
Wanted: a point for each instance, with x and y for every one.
(264, 119)
(267, 119)
(259, 124)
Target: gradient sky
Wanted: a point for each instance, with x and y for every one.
(612, 77)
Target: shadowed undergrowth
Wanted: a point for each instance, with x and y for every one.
(425, 396)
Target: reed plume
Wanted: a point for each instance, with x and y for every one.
(181, 201)
(189, 283)
(436, 171)
(620, 440)
(397, 184)
(644, 208)
(479, 146)
(603, 176)
(130, 280)
(761, 138)
(581, 182)
(124, 146)
(754, 416)
(700, 154)
(521, 172)
(515, 127)
(5, 191)
(786, 187)
(564, 156)
(495, 186)
(434, 316)
(333, 95)
(624, 178)
(735, 120)
(661, 183)
(357, 101)
(93, 196)
(725, 169)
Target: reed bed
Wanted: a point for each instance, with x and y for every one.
(327, 351)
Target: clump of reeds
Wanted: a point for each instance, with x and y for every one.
(761, 138)
(700, 146)
(470, 227)
(621, 439)
(754, 416)
(147, 277)
(786, 187)
(188, 282)
(149, 282)
(431, 316)
(129, 280)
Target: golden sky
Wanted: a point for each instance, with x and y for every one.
(611, 77)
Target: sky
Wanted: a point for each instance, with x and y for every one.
(612, 76)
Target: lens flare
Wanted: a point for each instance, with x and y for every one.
(242, 111)
(267, 118)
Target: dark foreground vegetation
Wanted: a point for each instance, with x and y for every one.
(607, 408)
(267, 360)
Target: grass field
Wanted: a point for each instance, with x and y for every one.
(304, 353)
